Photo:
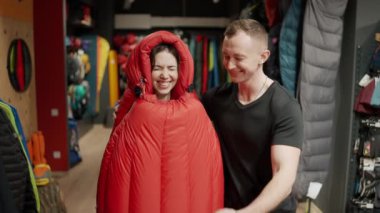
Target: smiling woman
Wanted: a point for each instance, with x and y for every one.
(164, 59)
(163, 154)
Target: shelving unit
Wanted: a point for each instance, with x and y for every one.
(363, 57)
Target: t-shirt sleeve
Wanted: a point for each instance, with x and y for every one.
(288, 126)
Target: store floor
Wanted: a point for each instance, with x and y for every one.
(78, 185)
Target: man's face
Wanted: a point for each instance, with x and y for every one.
(242, 56)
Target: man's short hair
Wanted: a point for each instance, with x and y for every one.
(250, 26)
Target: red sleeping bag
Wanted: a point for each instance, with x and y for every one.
(162, 156)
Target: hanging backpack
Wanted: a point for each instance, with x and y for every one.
(75, 68)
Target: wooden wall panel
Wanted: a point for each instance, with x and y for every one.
(21, 10)
(25, 102)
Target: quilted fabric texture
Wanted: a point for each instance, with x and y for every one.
(162, 156)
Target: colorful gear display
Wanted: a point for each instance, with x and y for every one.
(19, 65)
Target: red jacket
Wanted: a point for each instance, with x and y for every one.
(162, 156)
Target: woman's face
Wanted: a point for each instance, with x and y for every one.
(164, 74)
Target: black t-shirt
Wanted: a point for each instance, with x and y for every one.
(246, 133)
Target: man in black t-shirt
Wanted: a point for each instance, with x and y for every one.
(259, 126)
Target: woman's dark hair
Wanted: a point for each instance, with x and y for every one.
(162, 47)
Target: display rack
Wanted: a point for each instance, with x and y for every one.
(363, 55)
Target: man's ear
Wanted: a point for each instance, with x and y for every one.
(265, 55)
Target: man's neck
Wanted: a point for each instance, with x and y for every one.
(253, 89)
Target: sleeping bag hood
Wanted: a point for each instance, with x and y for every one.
(161, 156)
(139, 71)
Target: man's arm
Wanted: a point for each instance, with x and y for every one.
(284, 164)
